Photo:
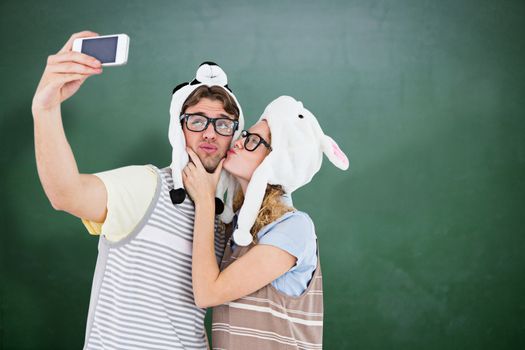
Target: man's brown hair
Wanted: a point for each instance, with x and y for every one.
(214, 93)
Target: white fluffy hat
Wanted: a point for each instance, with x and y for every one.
(298, 144)
(209, 74)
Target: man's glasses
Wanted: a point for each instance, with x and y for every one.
(252, 141)
(222, 126)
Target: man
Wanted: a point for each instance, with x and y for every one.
(142, 293)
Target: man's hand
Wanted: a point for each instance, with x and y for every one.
(200, 184)
(64, 74)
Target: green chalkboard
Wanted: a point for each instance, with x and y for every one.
(422, 241)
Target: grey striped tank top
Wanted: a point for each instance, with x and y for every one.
(142, 295)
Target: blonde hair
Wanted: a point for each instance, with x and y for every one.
(272, 208)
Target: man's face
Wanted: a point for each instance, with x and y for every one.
(210, 146)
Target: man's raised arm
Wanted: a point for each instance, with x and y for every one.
(82, 195)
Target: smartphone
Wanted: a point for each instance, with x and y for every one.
(110, 50)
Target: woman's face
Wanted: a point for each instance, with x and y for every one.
(240, 162)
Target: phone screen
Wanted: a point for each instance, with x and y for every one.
(103, 49)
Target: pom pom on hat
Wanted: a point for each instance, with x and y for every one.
(209, 73)
(298, 144)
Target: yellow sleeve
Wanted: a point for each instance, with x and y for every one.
(130, 192)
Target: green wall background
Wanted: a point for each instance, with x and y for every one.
(422, 242)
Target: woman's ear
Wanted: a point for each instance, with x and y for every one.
(334, 153)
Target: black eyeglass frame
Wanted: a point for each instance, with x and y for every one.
(186, 116)
(246, 134)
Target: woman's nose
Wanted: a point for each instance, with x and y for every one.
(238, 143)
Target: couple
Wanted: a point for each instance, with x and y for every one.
(164, 232)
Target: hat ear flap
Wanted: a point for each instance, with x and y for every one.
(334, 153)
(178, 160)
(225, 191)
(253, 199)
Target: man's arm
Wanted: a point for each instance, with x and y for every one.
(82, 195)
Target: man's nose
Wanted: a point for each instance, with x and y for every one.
(209, 132)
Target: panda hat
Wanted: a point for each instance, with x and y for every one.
(298, 144)
(209, 74)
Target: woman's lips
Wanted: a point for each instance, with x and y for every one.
(231, 151)
(208, 148)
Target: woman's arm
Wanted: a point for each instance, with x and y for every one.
(254, 270)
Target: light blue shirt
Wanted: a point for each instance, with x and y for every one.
(294, 233)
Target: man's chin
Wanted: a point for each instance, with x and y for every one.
(211, 164)
(209, 161)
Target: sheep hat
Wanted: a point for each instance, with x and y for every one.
(209, 74)
(298, 144)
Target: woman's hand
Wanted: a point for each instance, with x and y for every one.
(200, 184)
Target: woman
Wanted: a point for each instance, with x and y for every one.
(267, 293)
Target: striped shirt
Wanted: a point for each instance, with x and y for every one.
(142, 296)
(268, 318)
